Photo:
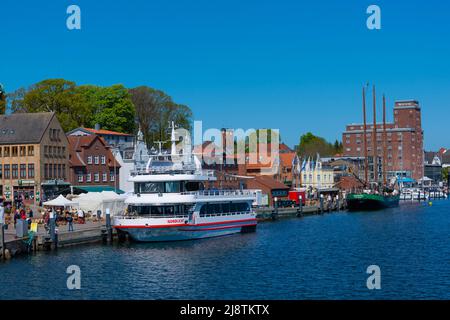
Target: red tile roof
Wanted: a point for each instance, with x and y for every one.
(109, 132)
(268, 182)
(77, 144)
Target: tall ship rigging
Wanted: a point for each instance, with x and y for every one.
(170, 202)
(376, 195)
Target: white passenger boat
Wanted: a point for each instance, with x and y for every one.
(170, 202)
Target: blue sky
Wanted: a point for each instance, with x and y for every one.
(289, 64)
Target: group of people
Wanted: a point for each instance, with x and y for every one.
(64, 217)
(24, 214)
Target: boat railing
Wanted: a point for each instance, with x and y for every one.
(171, 171)
(215, 193)
(137, 216)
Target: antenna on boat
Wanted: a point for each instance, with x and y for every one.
(173, 150)
(160, 143)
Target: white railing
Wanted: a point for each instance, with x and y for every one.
(162, 170)
(215, 193)
(162, 216)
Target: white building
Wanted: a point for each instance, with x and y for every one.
(135, 159)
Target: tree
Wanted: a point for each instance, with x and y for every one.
(111, 107)
(2, 100)
(311, 145)
(154, 110)
(75, 106)
(51, 95)
(445, 174)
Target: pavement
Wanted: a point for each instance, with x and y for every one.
(10, 234)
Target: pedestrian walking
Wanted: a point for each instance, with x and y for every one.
(69, 220)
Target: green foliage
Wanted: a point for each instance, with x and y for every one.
(111, 107)
(311, 145)
(445, 174)
(76, 106)
(2, 100)
(155, 110)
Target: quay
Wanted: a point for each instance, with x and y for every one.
(100, 231)
(311, 208)
(89, 232)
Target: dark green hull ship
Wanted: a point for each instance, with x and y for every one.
(367, 202)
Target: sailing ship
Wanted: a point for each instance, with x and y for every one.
(375, 196)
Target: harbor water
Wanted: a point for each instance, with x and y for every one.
(314, 257)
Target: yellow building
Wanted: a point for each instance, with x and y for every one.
(316, 176)
(33, 157)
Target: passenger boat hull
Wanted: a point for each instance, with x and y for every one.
(370, 202)
(186, 231)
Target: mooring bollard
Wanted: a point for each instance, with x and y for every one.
(300, 205)
(275, 212)
(321, 203)
(108, 225)
(2, 239)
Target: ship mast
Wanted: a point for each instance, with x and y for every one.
(366, 162)
(384, 141)
(375, 151)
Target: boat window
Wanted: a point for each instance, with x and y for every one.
(149, 187)
(219, 208)
(157, 211)
(193, 186)
(173, 187)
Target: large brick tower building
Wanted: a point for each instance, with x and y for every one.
(404, 141)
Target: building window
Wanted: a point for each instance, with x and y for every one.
(96, 177)
(112, 176)
(96, 159)
(23, 151)
(6, 152)
(63, 152)
(15, 171)
(80, 178)
(103, 160)
(14, 151)
(23, 171)
(89, 159)
(1, 151)
(50, 171)
(46, 171)
(31, 171)
(105, 177)
(55, 171)
(1, 173)
(64, 171)
(30, 150)
(7, 172)
(88, 177)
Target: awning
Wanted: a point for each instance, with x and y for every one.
(406, 180)
(98, 189)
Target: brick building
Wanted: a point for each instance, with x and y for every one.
(92, 164)
(404, 142)
(33, 157)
